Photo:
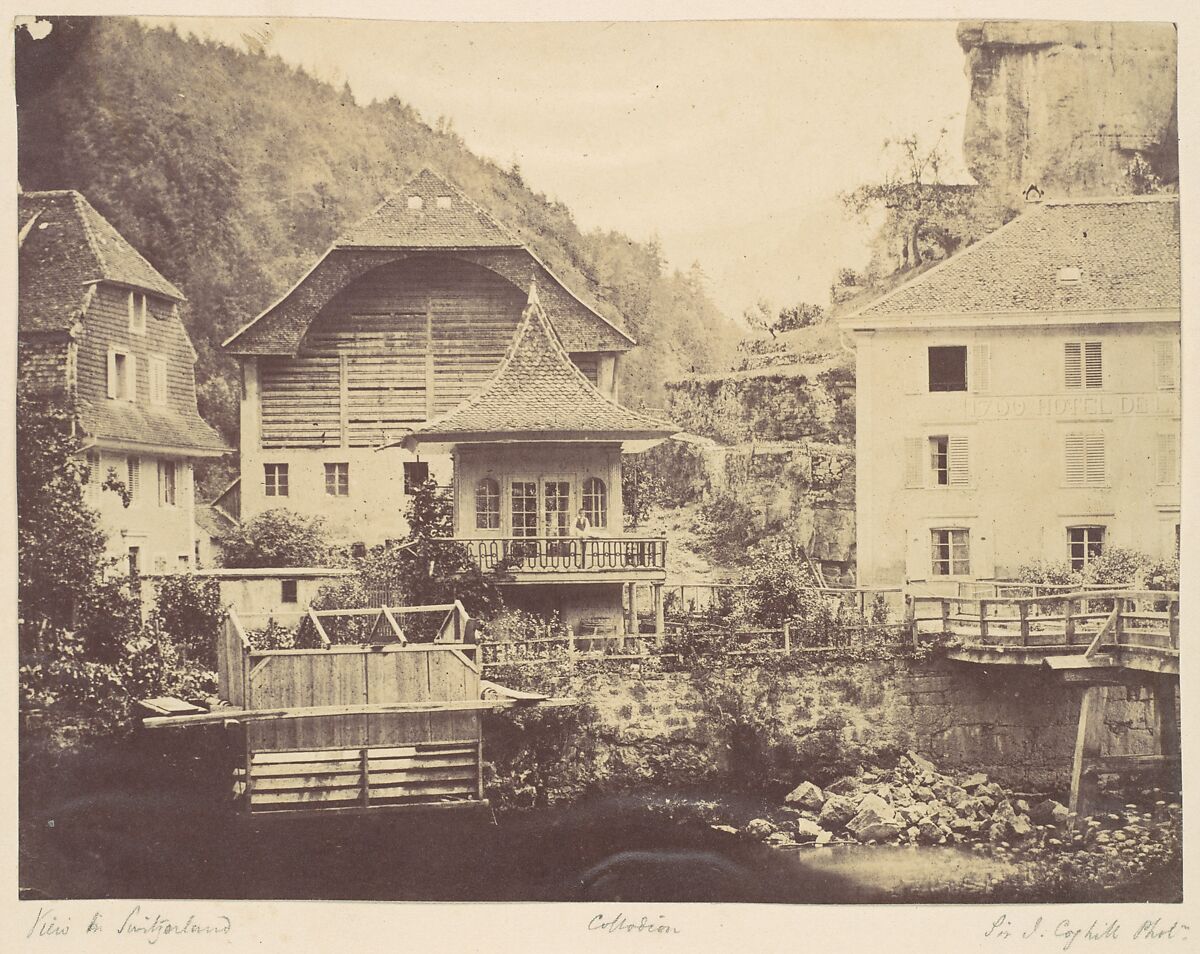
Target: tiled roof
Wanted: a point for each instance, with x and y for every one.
(538, 393)
(213, 520)
(1125, 248)
(413, 218)
(65, 248)
(157, 427)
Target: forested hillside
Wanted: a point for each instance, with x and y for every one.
(233, 171)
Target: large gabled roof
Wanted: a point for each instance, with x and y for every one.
(1125, 248)
(538, 394)
(394, 231)
(427, 212)
(66, 246)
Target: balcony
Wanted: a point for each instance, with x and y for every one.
(570, 559)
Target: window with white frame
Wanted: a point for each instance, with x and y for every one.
(524, 508)
(1084, 545)
(1166, 364)
(951, 551)
(942, 460)
(487, 504)
(1083, 365)
(158, 380)
(122, 376)
(275, 480)
(133, 474)
(166, 483)
(595, 501)
(337, 480)
(138, 309)
(1085, 460)
(1166, 458)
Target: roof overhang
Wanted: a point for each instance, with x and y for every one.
(1008, 319)
(440, 441)
(167, 450)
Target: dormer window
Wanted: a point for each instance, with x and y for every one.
(1069, 276)
(443, 201)
(138, 309)
(415, 202)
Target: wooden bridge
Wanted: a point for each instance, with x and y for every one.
(1095, 639)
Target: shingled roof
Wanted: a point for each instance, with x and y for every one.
(427, 212)
(538, 394)
(151, 426)
(1125, 248)
(395, 231)
(65, 246)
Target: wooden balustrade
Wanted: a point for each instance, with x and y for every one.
(566, 554)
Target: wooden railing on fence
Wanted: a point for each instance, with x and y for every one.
(566, 554)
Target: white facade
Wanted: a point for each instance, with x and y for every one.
(1035, 450)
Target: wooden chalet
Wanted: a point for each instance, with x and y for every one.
(99, 325)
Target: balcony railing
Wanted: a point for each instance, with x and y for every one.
(566, 554)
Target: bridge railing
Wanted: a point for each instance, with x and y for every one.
(1142, 618)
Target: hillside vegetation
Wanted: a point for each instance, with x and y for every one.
(233, 171)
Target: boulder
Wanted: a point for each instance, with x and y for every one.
(824, 838)
(871, 825)
(920, 763)
(728, 829)
(808, 831)
(846, 785)
(874, 802)
(837, 811)
(759, 828)
(1021, 827)
(928, 832)
(779, 838)
(953, 795)
(974, 781)
(1049, 812)
(806, 795)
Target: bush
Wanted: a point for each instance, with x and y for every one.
(277, 537)
(1116, 567)
(189, 611)
(727, 527)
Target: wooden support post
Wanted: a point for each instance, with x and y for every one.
(910, 618)
(983, 621)
(787, 637)
(571, 650)
(660, 615)
(1166, 725)
(1173, 624)
(1118, 620)
(1069, 621)
(631, 619)
(946, 616)
(1088, 742)
(366, 778)
(1023, 608)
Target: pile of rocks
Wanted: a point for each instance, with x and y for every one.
(914, 803)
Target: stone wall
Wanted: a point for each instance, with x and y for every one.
(707, 727)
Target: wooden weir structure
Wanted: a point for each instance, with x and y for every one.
(376, 724)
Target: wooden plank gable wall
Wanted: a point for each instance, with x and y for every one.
(404, 344)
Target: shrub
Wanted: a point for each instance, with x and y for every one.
(189, 611)
(726, 528)
(278, 537)
(1115, 567)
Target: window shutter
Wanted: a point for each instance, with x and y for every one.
(1073, 364)
(1167, 458)
(112, 374)
(1095, 459)
(1075, 452)
(981, 368)
(960, 463)
(914, 462)
(1166, 363)
(1093, 365)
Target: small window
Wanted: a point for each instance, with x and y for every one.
(939, 454)
(948, 368)
(443, 202)
(133, 473)
(951, 552)
(134, 556)
(1166, 364)
(416, 473)
(166, 483)
(122, 376)
(1084, 460)
(1083, 365)
(160, 564)
(1084, 545)
(595, 501)
(275, 480)
(487, 504)
(949, 461)
(337, 480)
(158, 381)
(1069, 275)
(288, 591)
(138, 310)
(415, 202)
(183, 562)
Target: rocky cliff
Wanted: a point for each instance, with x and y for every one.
(1069, 106)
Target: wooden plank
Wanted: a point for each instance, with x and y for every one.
(464, 774)
(300, 783)
(331, 769)
(421, 789)
(1088, 740)
(305, 797)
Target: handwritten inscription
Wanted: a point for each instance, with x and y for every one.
(1066, 933)
(622, 925)
(1075, 405)
(148, 925)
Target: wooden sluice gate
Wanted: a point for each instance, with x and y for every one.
(381, 723)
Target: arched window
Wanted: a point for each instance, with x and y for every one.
(487, 505)
(595, 501)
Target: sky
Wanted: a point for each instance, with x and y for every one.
(730, 141)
